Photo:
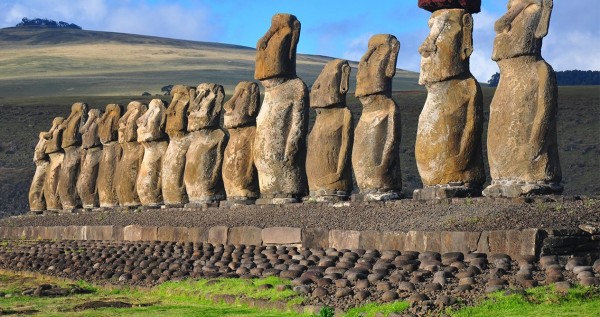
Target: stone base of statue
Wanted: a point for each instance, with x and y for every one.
(458, 190)
(168, 206)
(274, 200)
(205, 202)
(327, 196)
(238, 201)
(512, 189)
(377, 195)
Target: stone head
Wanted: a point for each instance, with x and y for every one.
(40, 148)
(54, 136)
(378, 66)
(89, 130)
(128, 122)
(178, 108)
(276, 50)
(242, 109)
(108, 125)
(520, 31)
(205, 110)
(445, 52)
(71, 135)
(151, 125)
(331, 86)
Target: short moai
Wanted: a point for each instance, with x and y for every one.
(37, 201)
(151, 134)
(282, 123)
(131, 157)
(91, 153)
(376, 149)
(522, 140)
(108, 132)
(329, 149)
(448, 148)
(56, 155)
(204, 159)
(239, 172)
(71, 165)
(173, 186)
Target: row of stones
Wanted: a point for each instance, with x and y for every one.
(338, 278)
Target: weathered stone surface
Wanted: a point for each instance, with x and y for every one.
(329, 149)
(98, 232)
(91, 155)
(344, 239)
(448, 147)
(497, 241)
(71, 144)
(245, 235)
(239, 172)
(531, 241)
(218, 235)
(197, 234)
(459, 241)
(173, 186)
(276, 50)
(376, 150)
(56, 154)
(140, 233)
(37, 202)
(281, 235)
(204, 159)
(175, 234)
(315, 238)
(523, 158)
(151, 135)
(108, 131)
(370, 239)
(472, 6)
(393, 240)
(132, 155)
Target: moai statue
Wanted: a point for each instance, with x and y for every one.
(204, 159)
(151, 134)
(239, 172)
(522, 146)
(71, 144)
(131, 157)
(37, 202)
(448, 148)
(282, 123)
(56, 154)
(376, 150)
(91, 149)
(108, 131)
(329, 149)
(173, 187)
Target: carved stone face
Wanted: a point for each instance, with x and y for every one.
(521, 30)
(242, 108)
(71, 135)
(378, 66)
(206, 107)
(89, 131)
(54, 136)
(178, 109)
(108, 125)
(446, 51)
(331, 86)
(276, 50)
(128, 122)
(151, 124)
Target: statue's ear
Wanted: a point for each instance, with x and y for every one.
(345, 79)
(467, 40)
(220, 97)
(544, 24)
(390, 70)
(295, 38)
(254, 100)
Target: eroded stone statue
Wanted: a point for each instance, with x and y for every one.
(522, 146)
(108, 132)
(150, 132)
(282, 123)
(204, 159)
(91, 149)
(376, 150)
(56, 154)
(173, 186)
(239, 172)
(71, 165)
(329, 150)
(448, 148)
(131, 157)
(37, 202)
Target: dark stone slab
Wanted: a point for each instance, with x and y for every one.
(473, 6)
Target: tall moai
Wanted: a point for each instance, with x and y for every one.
(108, 132)
(71, 165)
(448, 148)
(37, 201)
(239, 172)
(91, 153)
(329, 149)
(376, 150)
(173, 186)
(522, 145)
(204, 159)
(56, 154)
(151, 134)
(131, 156)
(282, 123)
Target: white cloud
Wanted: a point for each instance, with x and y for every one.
(357, 47)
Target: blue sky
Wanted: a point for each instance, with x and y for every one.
(329, 27)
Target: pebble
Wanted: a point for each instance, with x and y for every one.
(493, 288)
(384, 286)
(389, 296)
(589, 281)
(343, 292)
(416, 298)
(406, 286)
(320, 292)
(302, 289)
(362, 295)
(562, 286)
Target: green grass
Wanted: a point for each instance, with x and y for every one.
(372, 309)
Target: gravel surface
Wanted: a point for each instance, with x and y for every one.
(477, 214)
